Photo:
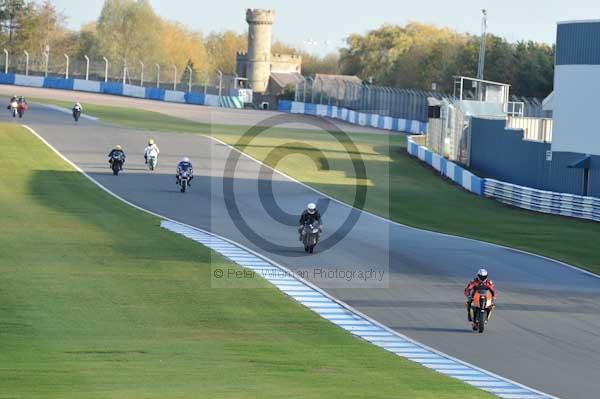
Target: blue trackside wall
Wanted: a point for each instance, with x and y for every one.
(58, 83)
(118, 89)
(502, 154)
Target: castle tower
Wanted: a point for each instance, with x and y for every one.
(258, 69)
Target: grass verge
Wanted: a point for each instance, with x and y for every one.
(98, 301)
(400, 187)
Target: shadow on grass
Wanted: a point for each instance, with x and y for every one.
(95, 211)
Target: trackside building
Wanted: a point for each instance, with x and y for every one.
(566, 158)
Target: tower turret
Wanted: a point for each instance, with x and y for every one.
(258, 69)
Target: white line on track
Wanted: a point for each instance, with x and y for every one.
(420, 353)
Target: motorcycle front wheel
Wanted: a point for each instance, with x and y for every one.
(480, 320)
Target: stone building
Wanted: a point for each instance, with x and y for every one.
(266, 72)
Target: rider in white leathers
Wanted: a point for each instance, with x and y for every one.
(151, 150)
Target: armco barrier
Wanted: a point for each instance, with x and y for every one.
(356, 118)
(452, 171)
(544, 201)
(120, 89)
(522, 197)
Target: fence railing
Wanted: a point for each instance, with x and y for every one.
(364, 98)
(537, 129)
(390, 101)
(120, 89)
(138, 73)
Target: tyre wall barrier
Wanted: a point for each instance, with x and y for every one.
(120, 89)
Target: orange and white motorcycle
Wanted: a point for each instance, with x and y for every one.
(482, 307)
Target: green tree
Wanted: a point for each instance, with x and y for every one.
(128, 30)
(10, 11)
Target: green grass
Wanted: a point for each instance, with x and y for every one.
(98, 301)
(399, 186)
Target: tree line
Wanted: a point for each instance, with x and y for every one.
(417, 55)
(412, 56)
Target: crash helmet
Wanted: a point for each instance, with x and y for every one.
(185, 159)
(118, 147)
(311, 208)
(150, 141)
(482, 274)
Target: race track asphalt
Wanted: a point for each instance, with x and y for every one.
(195, 113)
(545, 333)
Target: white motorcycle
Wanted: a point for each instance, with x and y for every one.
(152, 159)
(14, 108)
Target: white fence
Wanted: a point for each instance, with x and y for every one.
(543, 201)
(538, 129)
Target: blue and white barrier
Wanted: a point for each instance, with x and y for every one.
(120, 89)
(522, 197)
(354, 117)
(353, 321)
(544, 201)
(452, 171)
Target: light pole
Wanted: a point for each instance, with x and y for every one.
(87, 67)
(105, 69)
(46, 59)
(124, 71)
(189, 68)
(26, 62)
(5, 61)
(206, 77)
(174, 77)
(157, 75)
(67, 69)
(220, 84)
(481, 63)
(321, 91)
(142, 74)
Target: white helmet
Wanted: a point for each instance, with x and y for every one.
(482, 274)
(311, 208)
(185, 159)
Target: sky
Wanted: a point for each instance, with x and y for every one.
(320, 26)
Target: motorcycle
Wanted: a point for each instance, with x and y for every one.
(116, 163)
(14, 108)
(184, 180)
(310, 236)
(152, 161)
(76, 114)
(481, 308)
(22, 107)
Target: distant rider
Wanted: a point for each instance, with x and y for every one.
(186, 165)
(13, 99)
(77, 107)
(151, 150)
(310, 214)
(481, 279)
(114, 153)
